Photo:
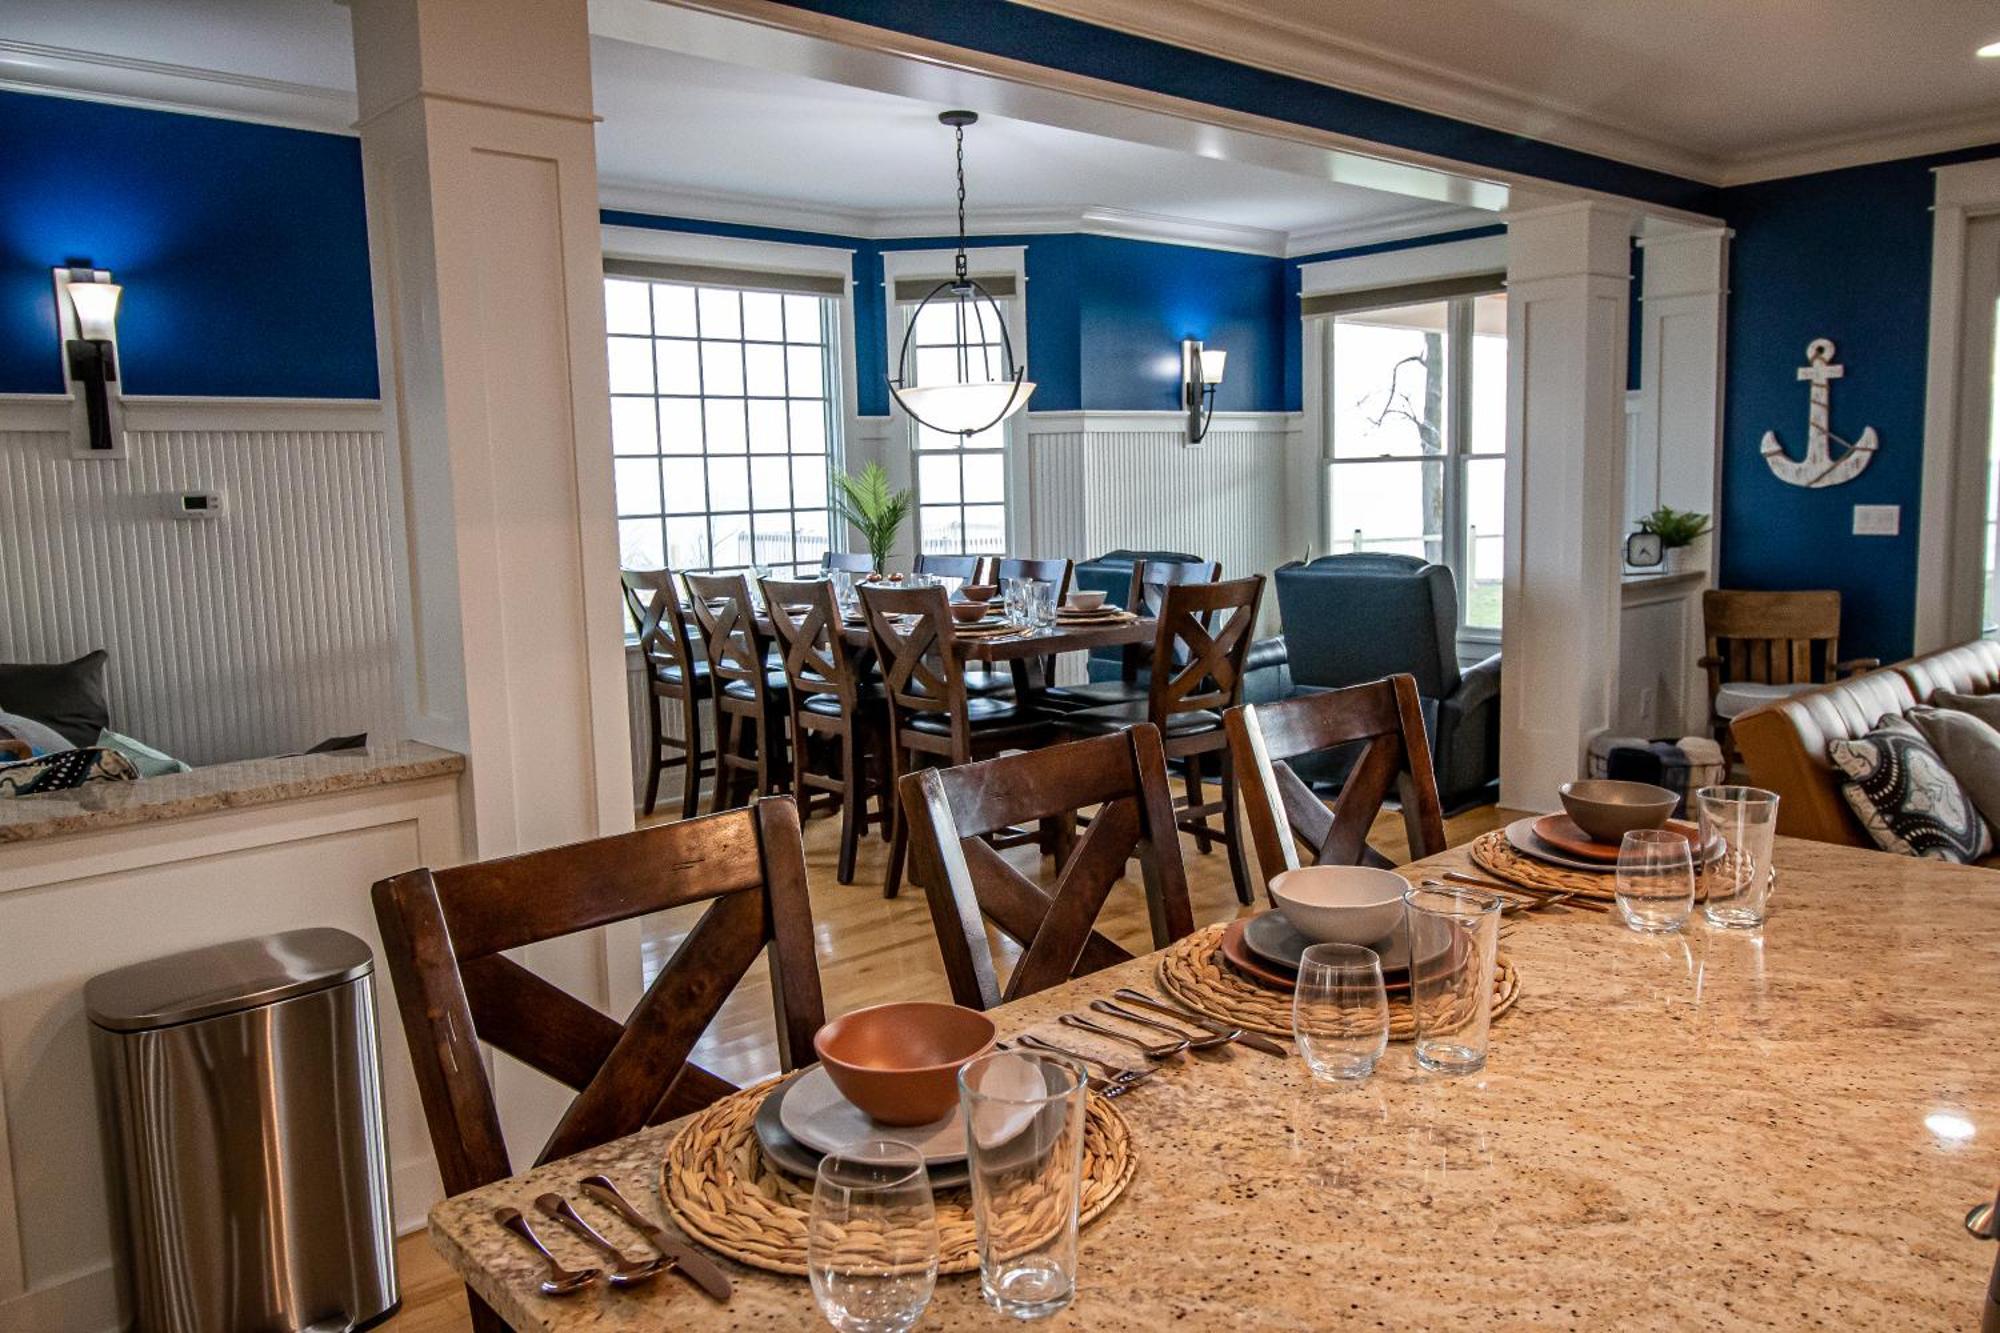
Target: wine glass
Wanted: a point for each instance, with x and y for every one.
(872, 1238)
(1655, 888)
(1340, 1012)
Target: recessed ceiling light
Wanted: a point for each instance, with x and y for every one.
(1990, 51)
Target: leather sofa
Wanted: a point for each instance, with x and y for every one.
(1358, 617)
(1784, 744)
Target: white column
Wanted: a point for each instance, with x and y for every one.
(1568, 281)
(476, 136)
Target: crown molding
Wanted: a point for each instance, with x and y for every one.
(1916, 139)
(157, 85)
(1426, 221)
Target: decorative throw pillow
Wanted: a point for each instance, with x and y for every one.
(151, 763)
(60, 772)
(69, 696)
(1970, 749)
(1985, 707)
(1905, 796)
(40, 736)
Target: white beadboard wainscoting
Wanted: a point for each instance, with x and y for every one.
(260, 631)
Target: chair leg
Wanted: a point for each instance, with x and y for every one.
(691, 775)
(484, 1318)
(1203, 843)
(899, 838)
(1232, 832)
(852, 812)
(659, 762)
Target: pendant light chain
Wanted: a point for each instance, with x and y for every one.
(959, 263)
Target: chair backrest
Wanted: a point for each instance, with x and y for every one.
(1385, 719)
(1048, 571)
(1770, 638)
(654, 602)
(919, 661)
(964, 568)
(1152, 578)
(1408, 606)
(1205, 632)
(853, 562)
(728, 621)
(805, 619)
(951, 810)
(446, 934)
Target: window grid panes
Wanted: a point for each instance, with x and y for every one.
(961, 481)
(1416, 426)
(722, 425)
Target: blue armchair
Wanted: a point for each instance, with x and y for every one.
(1354, 618)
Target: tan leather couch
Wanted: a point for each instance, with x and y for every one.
(1784, 744)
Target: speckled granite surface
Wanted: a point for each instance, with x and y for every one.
(1715, 1131)
(103, 805)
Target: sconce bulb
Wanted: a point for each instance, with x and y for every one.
(96, 305)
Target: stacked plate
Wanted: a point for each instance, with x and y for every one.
(1556, 840)
(805, 1117)
(1103, 615)
(1266, 949)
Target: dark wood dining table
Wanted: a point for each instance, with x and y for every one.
(1716, 1129)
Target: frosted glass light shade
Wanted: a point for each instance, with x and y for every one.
(959, 408)
(96, 305)
(1212, 359)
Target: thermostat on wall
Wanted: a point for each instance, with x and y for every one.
(198, 504)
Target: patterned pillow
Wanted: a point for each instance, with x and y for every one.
(1906, 798)
(60, 772)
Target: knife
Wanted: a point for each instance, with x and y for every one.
(1256, 1041)
(698, 1267)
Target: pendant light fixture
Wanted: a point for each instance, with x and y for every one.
(985, 394)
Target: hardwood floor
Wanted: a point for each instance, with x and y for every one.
(870, 951)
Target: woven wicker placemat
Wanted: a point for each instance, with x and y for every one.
(721, 1190)
(1193, 971)
(1492, 853)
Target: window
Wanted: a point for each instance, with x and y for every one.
(722, 423)
(1416, 424)
(961, 481)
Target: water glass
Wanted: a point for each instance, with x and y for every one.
(1340, 1012)
(1014, 601)
(1736, 882)
(843, 591)
(1041, 600)
(1454, 942)
(1655, 888)
(1024, 1115)
(872, 1237)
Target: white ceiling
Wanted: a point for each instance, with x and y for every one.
(1720, 90)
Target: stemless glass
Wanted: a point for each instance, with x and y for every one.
(1454, 941)
(1024, 1116)
(1340, 1013)
(1014, 601)
(872, 1238)
(1041, 598)
(1736, 877)
(1655, 888)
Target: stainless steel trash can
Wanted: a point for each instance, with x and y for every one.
(245, 1095)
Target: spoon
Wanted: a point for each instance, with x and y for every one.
(1162, 1051)
(1113, 1073)
(625, 1271)
(1194, 1043)
(560, 1281)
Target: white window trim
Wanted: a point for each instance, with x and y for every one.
(900, 457)
(1948, 594)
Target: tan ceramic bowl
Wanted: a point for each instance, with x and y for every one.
(1085, 599)
(979, 592)
(1341, 904)
(1607, 810)
(967, 612)
(899, 1062)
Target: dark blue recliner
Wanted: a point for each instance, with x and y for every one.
(1350, 619)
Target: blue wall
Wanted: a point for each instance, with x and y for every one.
(243, 249)
(1844, 255)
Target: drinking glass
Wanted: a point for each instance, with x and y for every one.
(1454, 939)
(1014, 601)
(843, 591)
(1041, 597)
(1024, 1143)
(872, 1238)
(1655, 889)
(1736, 883)
(1340, 1012)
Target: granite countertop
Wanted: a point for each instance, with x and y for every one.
(104, 805)
(1710, 1130)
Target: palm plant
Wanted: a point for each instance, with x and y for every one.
(867, 502)
(1674, 527)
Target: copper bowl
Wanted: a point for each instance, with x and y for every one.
(899, 1062)
(967, 612)
(979, 592)
(1608, 809)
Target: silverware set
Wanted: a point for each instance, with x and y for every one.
(1521, 897)
(1190, 1031)
(624, 1271)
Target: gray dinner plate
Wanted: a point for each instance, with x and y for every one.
(1522, 838)
(1275, 940)
(795, 1158)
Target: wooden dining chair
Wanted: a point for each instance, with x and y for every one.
(1763, 646)
(1204, 634)
(752, 699)
(446, 935)
(964, 568)
(1385, 719)
(932, 717)
(851, 562)
(1146, 597)
(831, 704)
(1057, 572)
(677, 678)
(951, 813)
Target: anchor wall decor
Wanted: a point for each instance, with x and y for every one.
(1819, 467)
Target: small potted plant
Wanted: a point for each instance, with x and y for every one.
(876, 511)
(1678, 531)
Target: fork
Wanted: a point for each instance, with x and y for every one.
(1151, 1050)
(1204, 1042)
(1117, 1074)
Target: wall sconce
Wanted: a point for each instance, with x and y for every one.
(87, 312)
(1201, 371)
